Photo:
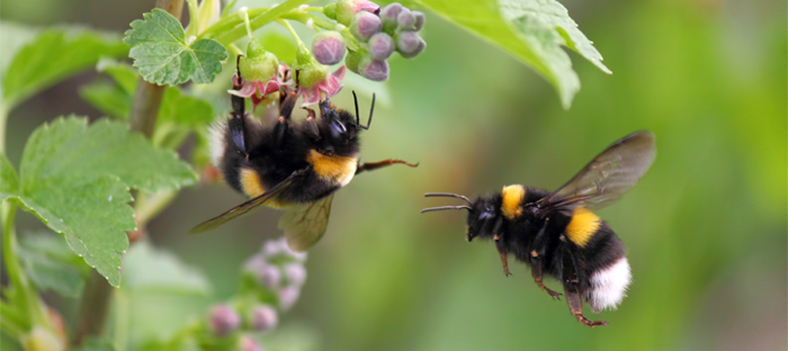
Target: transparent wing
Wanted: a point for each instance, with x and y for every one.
(245, 207)
(305, 224)
(607, 177)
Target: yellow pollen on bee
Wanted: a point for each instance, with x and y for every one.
(333, 168)
(511, 205)
(582, 226)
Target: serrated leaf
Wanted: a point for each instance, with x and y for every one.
(531, 30)
(149, 269)
(51, 264)
(54, 55)
(108, 98)
(9, 181)
(76, 179)
(163, 57)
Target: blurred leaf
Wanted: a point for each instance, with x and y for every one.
(108, 98)
(51, 264)
(54, 55)
(163, 57)
(531, 30)
(14, 36)
(282, 45)
(149, 269)
(95, 345)
(116, 101)
(76, 179)
(10, 181)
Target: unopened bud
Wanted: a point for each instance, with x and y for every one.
(328, 47)
(406, 20)
(224, 319)
(410, 44)
(388, 15)
(352, 60)
(288, 297)
(364, 25)
(381, 46)
(346, 9)
(263, 317)
(295, 274)
(374, 70)
(272, 248)
(270, 276)
(249, 344)
(420, 19)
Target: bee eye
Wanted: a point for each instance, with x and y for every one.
(485, 215)
(337, 128)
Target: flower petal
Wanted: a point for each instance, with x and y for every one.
(309, 96)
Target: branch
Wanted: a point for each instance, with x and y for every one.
(147, 99)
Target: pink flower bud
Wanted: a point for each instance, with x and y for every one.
(406, 20)
(328, 47)
(410, 44)
(263, 317)
(346, 9)
(373, 69)
(381, 46)
(288, 297)
(389, 17)
(420, 19)
(273, 248)
(364, 25)
(224, 319)
(270, 276)
(295, 273)
(249, 344)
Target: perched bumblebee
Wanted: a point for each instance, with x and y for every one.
(556, 233)
(286, 165)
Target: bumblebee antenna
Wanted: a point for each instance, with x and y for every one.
(355, 101)
(463, 197)
(441, 208)
(238, 70)
(371, 109)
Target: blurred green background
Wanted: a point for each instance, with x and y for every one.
(705, 228)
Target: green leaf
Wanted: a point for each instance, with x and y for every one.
(9, 181)
(148, 269)
(54, 55)
(176, 107)
(51, 264)
(163, 57)
(531, 30)
(108, 98)
(95, 345)
(76, 179)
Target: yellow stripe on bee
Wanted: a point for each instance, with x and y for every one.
(582, 226)
(334, 169)
(250, 183)
(511, 205)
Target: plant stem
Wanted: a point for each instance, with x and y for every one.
(3, 121)
(292, 32)
(147, 99)
(236, 33)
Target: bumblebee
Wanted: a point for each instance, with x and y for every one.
(286, 165)
(556, 233)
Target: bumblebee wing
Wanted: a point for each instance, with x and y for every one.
(247, 206)
(305, 224)
(607, 177)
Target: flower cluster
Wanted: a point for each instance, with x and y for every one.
(273, 280)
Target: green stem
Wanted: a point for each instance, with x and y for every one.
(3, 121)
(194, 21)
(150, 205)
(236, 33)
(292, 32)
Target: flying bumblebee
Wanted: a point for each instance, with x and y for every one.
(287, 165)
(555, 233)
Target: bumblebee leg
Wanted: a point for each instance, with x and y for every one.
(536, 271)
(310, 125)
(371, 166)
(504, 258)
(575, 302)
(285, 110)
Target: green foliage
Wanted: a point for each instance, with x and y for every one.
(76, 178)
(51, 264)
(531, 30)
(162, 55)
(96, 345)
(116, 100)
(147, 269)
(54, 55)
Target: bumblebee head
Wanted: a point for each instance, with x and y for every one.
(338, 130)
(482, 214)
